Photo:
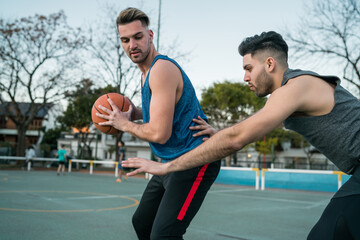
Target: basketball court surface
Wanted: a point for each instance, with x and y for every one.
(42, 205)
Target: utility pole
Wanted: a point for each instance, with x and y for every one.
(158, 30)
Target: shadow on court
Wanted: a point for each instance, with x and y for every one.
(41, 205)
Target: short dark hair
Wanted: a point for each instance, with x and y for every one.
(266, 41)
(129, 15)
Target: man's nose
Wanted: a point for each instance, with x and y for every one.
(246, 78)
(133, 44)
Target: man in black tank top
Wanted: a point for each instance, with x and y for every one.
(316, 106)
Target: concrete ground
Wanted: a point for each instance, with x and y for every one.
(41, 205)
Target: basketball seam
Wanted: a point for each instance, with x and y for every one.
(109, 103)
(122, 108)
(97, 110)
(110, 128)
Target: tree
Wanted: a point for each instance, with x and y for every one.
(227, 103)
(78, 113)
(49, 141)
(330, 31)
(109, 64)
(36, 55)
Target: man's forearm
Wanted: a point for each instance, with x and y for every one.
(215, 148)
(143, 131)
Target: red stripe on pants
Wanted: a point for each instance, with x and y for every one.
(192, 192)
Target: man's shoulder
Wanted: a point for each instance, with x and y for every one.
(164, 70)
(164, 65)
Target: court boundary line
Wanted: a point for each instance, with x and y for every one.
(136, 202)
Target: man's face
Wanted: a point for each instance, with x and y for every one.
(256, 76)
(136, 40)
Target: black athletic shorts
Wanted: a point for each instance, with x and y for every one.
(170, 202)
(341, 218)
(339, 221)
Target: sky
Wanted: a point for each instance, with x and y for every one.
(211, 30)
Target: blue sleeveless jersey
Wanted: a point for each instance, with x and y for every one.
(187, 108)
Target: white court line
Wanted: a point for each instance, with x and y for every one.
(93, 197)
(89, 197)
(230, 190)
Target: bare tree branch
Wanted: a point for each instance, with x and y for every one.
(330, 30)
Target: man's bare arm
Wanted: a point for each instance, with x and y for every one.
(164, 81)
(280, 105)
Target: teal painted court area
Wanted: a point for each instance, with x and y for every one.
(309, 180)
(41, 205)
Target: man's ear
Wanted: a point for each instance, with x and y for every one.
(270, 64)
(151, 34)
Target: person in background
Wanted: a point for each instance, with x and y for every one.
(121, 158)
(62, 159)
(29, 155)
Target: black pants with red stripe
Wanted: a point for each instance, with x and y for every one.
(170, 202)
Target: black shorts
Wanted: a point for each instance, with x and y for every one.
(61, 162)
(339, 221)
(341, 218)
(170, 202)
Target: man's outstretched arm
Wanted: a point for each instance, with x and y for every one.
(279, 106)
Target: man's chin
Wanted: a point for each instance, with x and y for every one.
(137, 60)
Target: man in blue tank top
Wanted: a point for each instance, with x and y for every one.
(169, 104)
(316, 106)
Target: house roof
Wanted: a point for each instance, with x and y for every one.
(23, 108)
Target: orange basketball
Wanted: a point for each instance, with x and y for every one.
(120, 101)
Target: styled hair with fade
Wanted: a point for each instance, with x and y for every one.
(266, 41)
(129, 15)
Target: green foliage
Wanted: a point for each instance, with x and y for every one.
(297, 140)
(265, 146)
(49, 141)
(226, 103)
(78, 112)
(277, 136)
(51, 136)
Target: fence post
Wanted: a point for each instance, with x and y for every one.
(339, 173)
(256, 178)
(263, 178)
(29, 165)
(91, 167)
(116, 169)
(69, 168)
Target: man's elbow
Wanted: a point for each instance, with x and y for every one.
(161, 138)
(236, 141)
(235, 145)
